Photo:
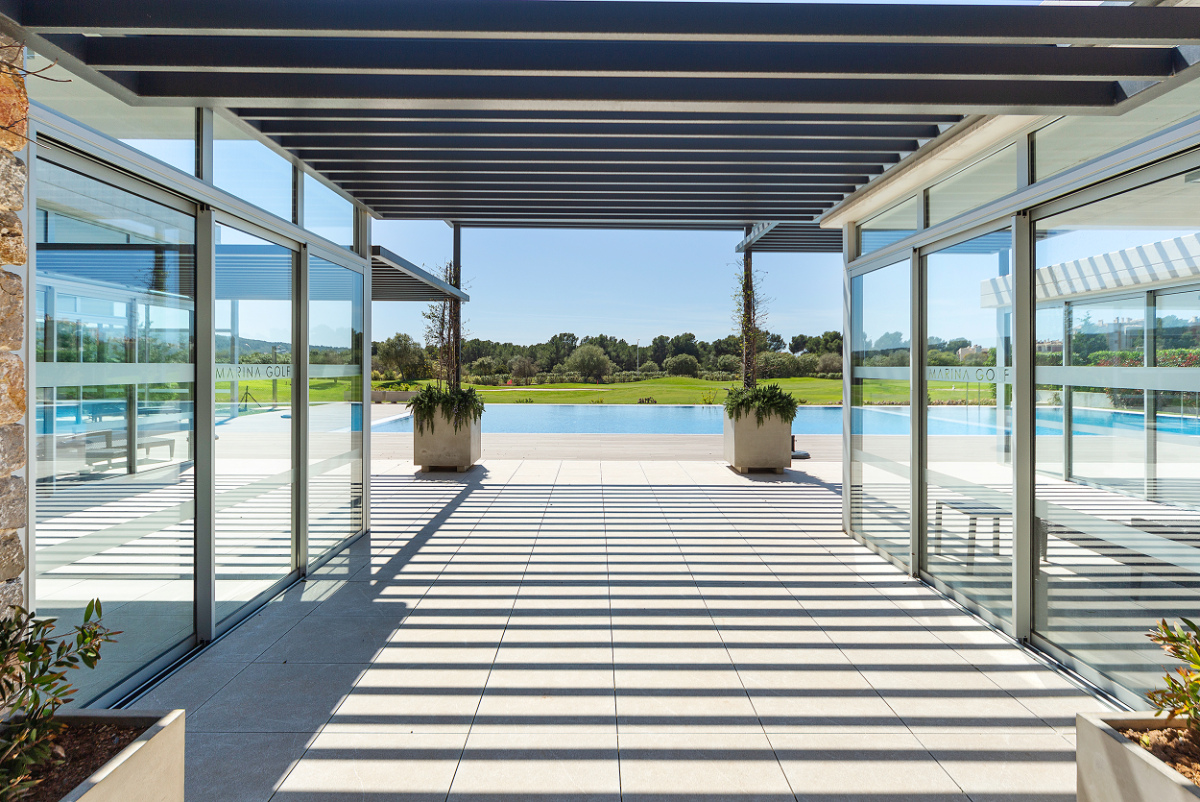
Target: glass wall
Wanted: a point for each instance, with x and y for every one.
(880, 426)
(335, 397)
(254, 416)
(986, 180)
(1118, 499)
(893, 225)
(327, 214)
(1071, 141)
(968, 420)
(247, 168)
(114, 418)
(166, 133)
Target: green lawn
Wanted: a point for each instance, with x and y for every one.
(682, 390)
(262, 392)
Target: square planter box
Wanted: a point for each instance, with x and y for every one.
(148, 770)
(1111, 768)
(750, 447)
(442, 447)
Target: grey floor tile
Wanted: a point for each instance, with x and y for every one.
(218, 768)
(275, 697)
(411, 767)
(562, 766)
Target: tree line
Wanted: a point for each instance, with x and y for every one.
(405, 358)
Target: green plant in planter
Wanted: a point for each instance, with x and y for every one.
(765, 402)
(458, 406)
(1182, 694)
(33, 686)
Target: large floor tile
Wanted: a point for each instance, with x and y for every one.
(568, 767)
(680, 767)
(273, 697)
(403, 766)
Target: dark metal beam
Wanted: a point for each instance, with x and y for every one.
(830, 22)
(351, 170)
(732, 198)
(538, 129)
(642, 59)
(400, 91)
(399, 187)
(694, 118)
(585, 144)
(639, 161)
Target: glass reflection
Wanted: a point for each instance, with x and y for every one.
(328, 214)
(114, 421)
(892, 225)
(880, 428)
(1118, 514)
(335, 397)
(254, 470)
(969, 476)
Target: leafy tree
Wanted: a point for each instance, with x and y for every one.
(774, 365)
(660, 348)
(829, 363)
(649, 367)
(798, 344)
(685, 344)
(682, 365)
(729, 363)
(807, 365)
(402, 354)
(590, 361)
(523, 368)
(770, 342)
(728, 345)
(487, 366)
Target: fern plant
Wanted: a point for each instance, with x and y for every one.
(33, 686)
(1182, 694)
(766, 401)
(459, 406)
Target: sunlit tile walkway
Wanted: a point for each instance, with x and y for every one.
(546, 630)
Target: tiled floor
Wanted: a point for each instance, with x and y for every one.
(545, 630)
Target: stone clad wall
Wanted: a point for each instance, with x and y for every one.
(14, 107)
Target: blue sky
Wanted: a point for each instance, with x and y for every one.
(529, 284)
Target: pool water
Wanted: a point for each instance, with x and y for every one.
(672, 419)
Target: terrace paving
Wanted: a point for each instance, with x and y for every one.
(618, 630)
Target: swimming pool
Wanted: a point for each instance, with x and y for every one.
(672, 419)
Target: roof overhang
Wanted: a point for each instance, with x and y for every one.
(605, 114)
(394, 278)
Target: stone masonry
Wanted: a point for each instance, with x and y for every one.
(14, 106)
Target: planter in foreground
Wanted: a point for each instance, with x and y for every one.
(751, 447)
(1112, 768)
(148, 770)
(440, 447)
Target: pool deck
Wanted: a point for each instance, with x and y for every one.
(583, 631)
(616, 447)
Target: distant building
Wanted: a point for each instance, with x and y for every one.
(1049, 346)
(970, 350)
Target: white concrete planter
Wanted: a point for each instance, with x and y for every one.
(1112, 768)
(442, 447)
(750, 447)
(148, 770)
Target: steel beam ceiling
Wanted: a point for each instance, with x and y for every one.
(632, 114)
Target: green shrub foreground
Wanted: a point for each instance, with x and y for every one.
(765, 401)
(458, 407)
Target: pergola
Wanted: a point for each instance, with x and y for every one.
(752, 117)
